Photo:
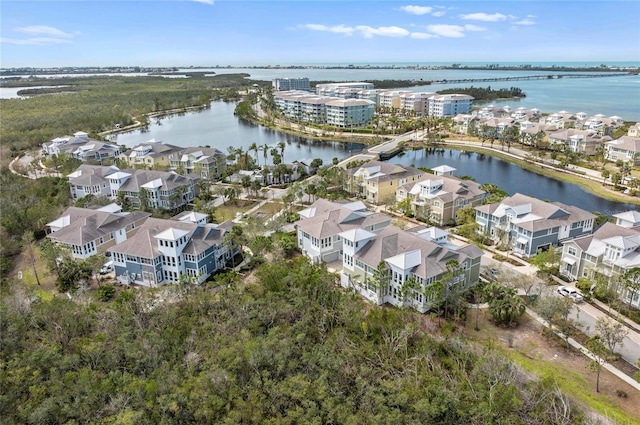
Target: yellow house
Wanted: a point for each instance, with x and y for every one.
(152, 154)
(377, 181)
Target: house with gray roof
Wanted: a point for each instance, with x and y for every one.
(439, 197)
(85, 232)
(579, 141)
(82, 147)
(404, 256)
(528, 224)
(91, 180)
(626, 149)
(150, 154)
(168, 251)
(320, 225)
(377, 181)
(203, 163)
(610, 251)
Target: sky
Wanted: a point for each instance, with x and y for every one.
(50, 33)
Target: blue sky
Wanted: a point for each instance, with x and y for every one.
(228, 32)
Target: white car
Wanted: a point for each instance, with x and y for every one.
(107, 268)
(566, 291)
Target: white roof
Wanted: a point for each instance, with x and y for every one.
(111, 208)
(443, 169)
(153, 184)
(171, 234)
(118, 175)
(355, 206)
(60, 222)
(356, 235)
(406, 260)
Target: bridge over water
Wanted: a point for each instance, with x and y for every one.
(526, 77)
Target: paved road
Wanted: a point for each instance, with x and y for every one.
(584, 314)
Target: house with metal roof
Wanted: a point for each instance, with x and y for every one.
(527, 224)
(610, 251)
(86, 232)
(626, 149)
(82, 147)
(168, 251)
(150, 154)
(203, 163)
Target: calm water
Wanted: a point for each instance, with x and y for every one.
(511, 178)
(219, 128)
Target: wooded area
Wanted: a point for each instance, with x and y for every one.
(290, 348)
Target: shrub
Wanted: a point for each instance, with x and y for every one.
(621, 393)
(106, 293)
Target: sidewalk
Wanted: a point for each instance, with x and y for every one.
(575, 344)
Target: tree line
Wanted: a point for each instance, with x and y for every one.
(291, 348)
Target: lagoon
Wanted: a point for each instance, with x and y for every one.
(218, 128)
(511, 178)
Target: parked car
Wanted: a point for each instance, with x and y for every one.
(107, 267)
(566, 291)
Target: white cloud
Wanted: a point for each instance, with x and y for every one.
(417, 10)
(43, 30)
(531, 16)
(439, 13)
(486, 17)
(525, 22)
(422, 35)
(204, 1)
(369, 32)
(470, 27)
(36, 41)
(338, 29)
(449, 31)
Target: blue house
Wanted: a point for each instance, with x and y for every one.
(528, 224)
(164, 250)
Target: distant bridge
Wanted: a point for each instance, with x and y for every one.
(525, 77)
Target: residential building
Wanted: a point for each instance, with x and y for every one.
(203, 163)
(349, 112)
(285, 84)
(392, 98)
(402, 256)
(610, 251)
(416, 103)
(162, 189)
(449, 105)
(166, 251)
(634, 130)
(158, 189)
(361, 241)
(82, 147)
(90, 180)
(562, 119)
(377, 181)
(580, 141)
(150, 154)
(438, 198)
(85, 232)
(320, 225)
(329, 89)
(626, 149)
(527, 224)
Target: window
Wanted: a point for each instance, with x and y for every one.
(571, 251)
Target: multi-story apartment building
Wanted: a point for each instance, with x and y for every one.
(347, 113)
(377, 181)
(449, 105)
(439, 198)
(610, 251)
(329, 89)
(416, 103)
(166, 251)
(392, 98)
(528, 224)
(85, 232)
(285, 84)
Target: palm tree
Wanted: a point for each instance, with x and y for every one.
(265, 152)
(254, 147)
(281, 146)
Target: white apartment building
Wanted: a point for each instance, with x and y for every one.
(285, 84)
(416, 102)
(349, 112)
(449, 105)
(329, 89)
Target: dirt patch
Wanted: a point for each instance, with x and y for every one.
(529, 340)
